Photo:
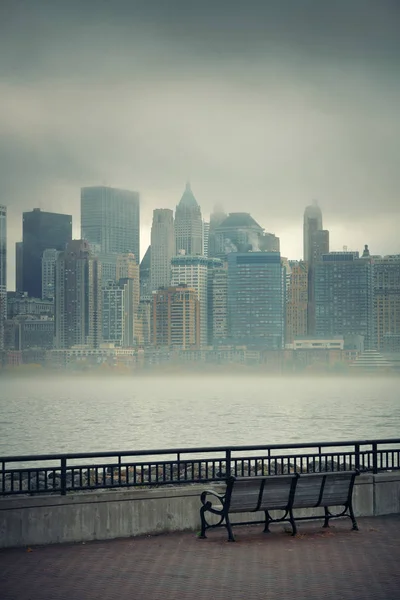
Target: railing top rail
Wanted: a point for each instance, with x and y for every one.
(194, 450)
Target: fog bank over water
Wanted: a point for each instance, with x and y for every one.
(85, 414)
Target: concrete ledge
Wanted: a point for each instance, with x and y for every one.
(80, 517)
(387, 493)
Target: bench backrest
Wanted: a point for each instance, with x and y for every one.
(324, 489)
(250, 494)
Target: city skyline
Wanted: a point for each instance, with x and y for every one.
(264, 107)
(336, 234)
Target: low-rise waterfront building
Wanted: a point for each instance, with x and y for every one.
(19, 304)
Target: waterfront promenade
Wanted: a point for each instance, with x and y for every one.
(332, 564)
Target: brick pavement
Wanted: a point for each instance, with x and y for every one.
(335, 564)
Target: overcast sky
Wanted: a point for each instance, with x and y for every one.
(264, 105)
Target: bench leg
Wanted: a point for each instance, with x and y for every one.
(203, 524)
(231, 537)
(352, 517)
(292, 522)
(326, 522)
(267, 522)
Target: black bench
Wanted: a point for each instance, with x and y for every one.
(280, 492)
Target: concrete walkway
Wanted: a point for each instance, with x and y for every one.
(336, 564)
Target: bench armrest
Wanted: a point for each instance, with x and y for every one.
(208, 503)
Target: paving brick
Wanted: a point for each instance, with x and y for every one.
(334, 564)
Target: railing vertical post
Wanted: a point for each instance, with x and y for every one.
(228, 463)
(374, 458)
(320, 459)
(357, 456)
(63, 476)
(3, 476)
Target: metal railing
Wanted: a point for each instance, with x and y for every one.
(62, 473)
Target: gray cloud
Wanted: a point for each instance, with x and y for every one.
(264, 105)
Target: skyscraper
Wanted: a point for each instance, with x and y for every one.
(162, 247)
(312, 222)
(110, 217)
(3, 272)
(344, 296)
(206, 235)
(175, 318)
(128, 268)
(218, 311)
(144, 274)
(256, 291)
(49, 260)
(194, 272)
(239, 232)
(78, 319)
(19, 275)
(216, 218)
(41, 230)
(387, 303)
(315, 245)
(188, 225)
(296, 301)
(118, 320)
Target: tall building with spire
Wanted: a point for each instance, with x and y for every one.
(188, 225)
(162, 247)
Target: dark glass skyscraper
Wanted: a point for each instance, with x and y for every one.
(41, 230)
(256, 287)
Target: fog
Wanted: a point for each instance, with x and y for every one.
(262, 105)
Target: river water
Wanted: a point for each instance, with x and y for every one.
(81, 414)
